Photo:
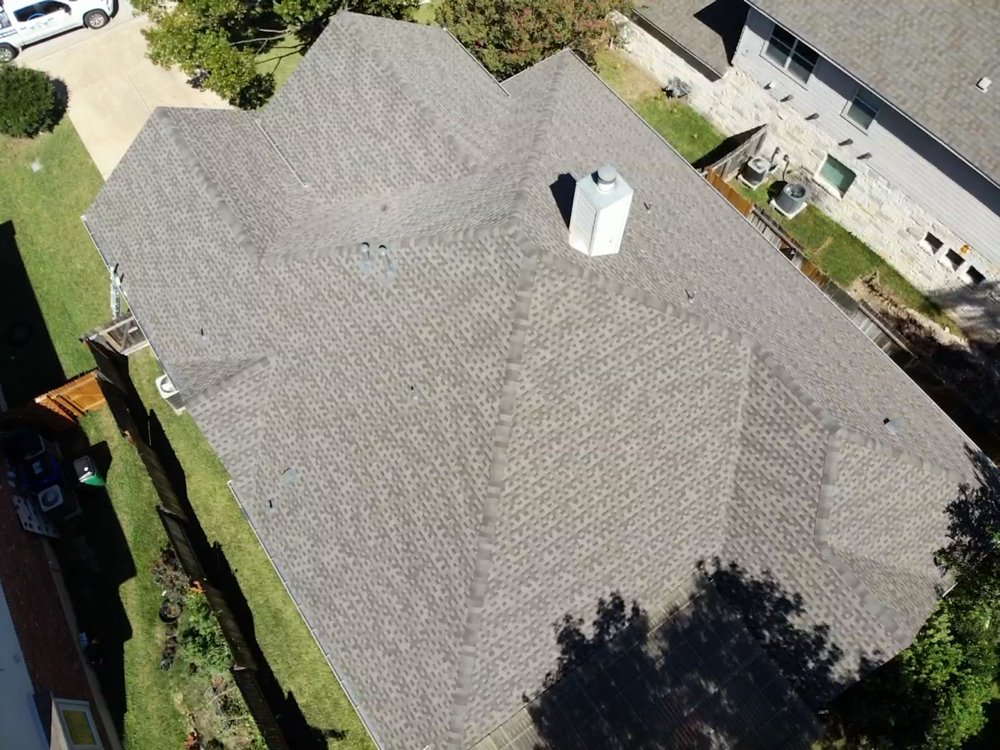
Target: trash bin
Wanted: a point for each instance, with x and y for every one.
(86, 472)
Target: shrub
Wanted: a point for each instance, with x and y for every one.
(28, 102)
(202, 642)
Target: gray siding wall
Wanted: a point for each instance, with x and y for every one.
(927, 172)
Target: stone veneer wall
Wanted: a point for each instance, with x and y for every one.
(881, 215)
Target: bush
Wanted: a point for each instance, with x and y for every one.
(28, 103)
(201, 641)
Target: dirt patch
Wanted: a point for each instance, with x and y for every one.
(916, 329)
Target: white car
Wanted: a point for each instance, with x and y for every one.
(24, 22)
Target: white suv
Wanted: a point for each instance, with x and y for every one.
(24, 22)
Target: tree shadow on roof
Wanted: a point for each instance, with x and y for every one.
(733, 666)
(934, 693)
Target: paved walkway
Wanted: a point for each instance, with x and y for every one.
(112, 86)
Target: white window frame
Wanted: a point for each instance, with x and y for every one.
(61, 704)
(832, 189)
(870, 101)
(796, 47)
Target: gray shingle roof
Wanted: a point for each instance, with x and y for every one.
(708, 29)
(924, 56)
(503, 431)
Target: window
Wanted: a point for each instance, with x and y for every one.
(864, 109)
(4, 21)
(39, 10)
(952, 259)
(78, 725)
(931, 244)
(836, 175)
(973, 276)
(787, 52)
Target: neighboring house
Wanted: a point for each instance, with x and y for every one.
(451, 429)
(886, 107)
(47, 701)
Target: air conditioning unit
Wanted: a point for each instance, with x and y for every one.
(755, 172)
(791, 200)
(169, 393)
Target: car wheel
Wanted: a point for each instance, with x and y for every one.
(7, 53)
(96, 19)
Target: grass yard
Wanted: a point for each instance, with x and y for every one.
(152, 721)
(285, 639)
(683, 127)
(845, 258)
(281, 60)
(425, 12)
(44, 247)
(40, 229)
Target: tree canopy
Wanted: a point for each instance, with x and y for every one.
(510, 35)
(932, 696)
(218, 41)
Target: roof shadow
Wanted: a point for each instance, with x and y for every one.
(726, 18)
(29, 364)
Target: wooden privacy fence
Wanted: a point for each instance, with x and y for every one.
(731, 194)
(741, 147)
(58, 409)
(202, 561)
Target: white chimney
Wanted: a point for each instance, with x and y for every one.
(600, 212)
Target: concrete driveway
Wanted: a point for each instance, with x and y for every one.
(112, 86)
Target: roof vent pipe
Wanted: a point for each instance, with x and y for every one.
(601, 206)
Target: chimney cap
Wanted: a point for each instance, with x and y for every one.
(606, 177)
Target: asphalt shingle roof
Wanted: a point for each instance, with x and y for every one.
(448, 448)
(924, 56)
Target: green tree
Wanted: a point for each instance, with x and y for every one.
(933, 694)
(28, 103)
(218, 41)
(511, 35)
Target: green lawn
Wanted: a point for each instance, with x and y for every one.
(286, 641)
(683, 127)
(69, 281)
(281, 60)
(40, 228)
(152, 721)
(425, 12)
(845, 258)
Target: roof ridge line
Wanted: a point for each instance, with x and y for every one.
(496, 481)
(163, 118)
(252, 367)
(531, 168)
(883, 613)
(413, 242)
(467, 156)
(894, 451)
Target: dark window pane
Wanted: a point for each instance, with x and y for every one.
(861, 115)
(780, 46)
(778, 52)
(799, 68)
